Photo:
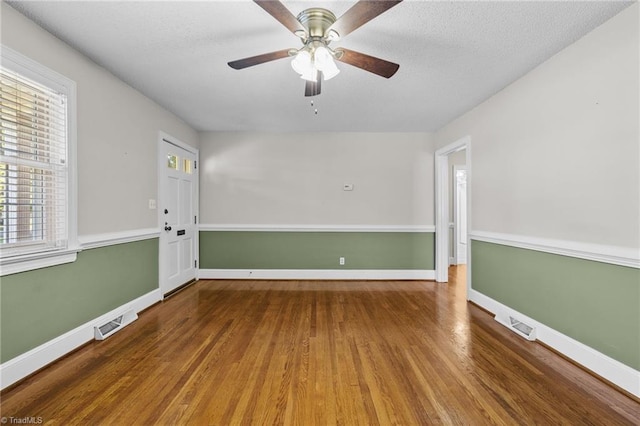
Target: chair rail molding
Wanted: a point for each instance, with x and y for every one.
(113, 238)
(615, 255)
(316, 228)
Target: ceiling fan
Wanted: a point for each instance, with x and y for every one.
(317, 28)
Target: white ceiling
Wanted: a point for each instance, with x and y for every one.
(452, 55)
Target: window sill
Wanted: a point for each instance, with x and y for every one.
(36, 261)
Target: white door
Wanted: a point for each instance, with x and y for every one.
(460, 202)
(178, 215)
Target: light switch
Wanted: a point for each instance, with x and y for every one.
(347, 187)
(152, 204)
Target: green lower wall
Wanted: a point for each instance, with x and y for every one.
(40, 305)
(316, 250)
(595, 303)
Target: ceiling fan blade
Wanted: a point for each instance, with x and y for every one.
(279, 11)
(260, 59)
(361, 13)
(368, 63)
(312, 88)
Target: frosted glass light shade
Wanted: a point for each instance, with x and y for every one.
(311, 74)
(321, 58)
(302, 62)
(330, 71)
(307, 64)
(323, 61)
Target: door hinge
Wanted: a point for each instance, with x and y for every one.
(195, 164)
(195, 263)
(195, 220)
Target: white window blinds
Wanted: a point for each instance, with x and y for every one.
(33, 167)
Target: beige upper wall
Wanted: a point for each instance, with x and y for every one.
(297, 179)
(556, 154)
(117, 132)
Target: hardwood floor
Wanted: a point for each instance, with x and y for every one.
(324, 353)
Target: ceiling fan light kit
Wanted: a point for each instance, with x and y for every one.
(310, 60)
(317, 28)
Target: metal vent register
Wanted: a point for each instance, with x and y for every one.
(523, 329)
(111, 326)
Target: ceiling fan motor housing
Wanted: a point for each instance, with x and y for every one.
(317, 21)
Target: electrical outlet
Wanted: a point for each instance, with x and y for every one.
(342, 261)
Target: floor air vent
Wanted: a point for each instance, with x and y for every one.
(108, 328)
(519, 327)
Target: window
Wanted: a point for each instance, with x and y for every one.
(172, 161)
(37, 190)
(187, 166)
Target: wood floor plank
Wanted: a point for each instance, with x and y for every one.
(314, 352)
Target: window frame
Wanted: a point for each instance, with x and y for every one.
(16, 62)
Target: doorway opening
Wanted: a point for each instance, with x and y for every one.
(452, 242)
(458, 212)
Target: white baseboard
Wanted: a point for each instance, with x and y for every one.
(608, 368)
(318, 274)
(33, 360)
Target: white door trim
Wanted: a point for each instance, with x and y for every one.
(442, 207)
(160, 160)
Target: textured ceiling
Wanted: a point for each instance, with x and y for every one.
(452, 55)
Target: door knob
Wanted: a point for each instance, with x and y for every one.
(167, 227)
